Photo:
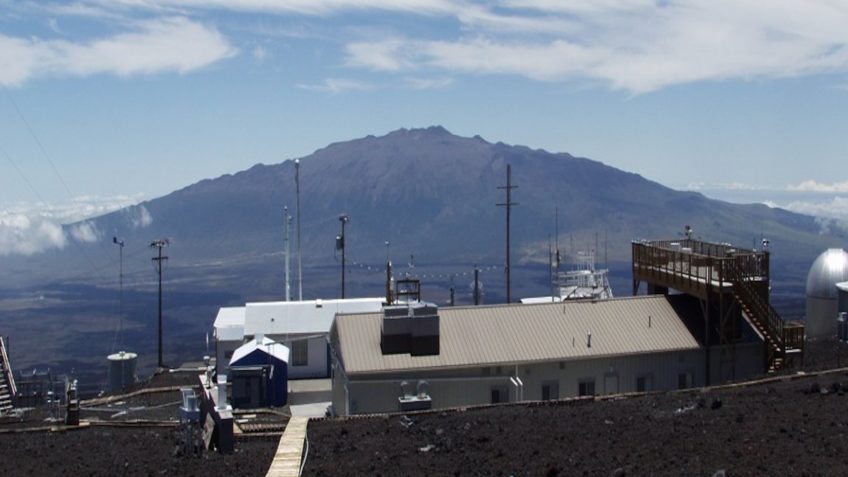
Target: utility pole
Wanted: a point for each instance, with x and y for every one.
(287, 219)
(340, 245)
(120, 244)
(508, 204)
(388, 275)
(299, 257)
(160, 244)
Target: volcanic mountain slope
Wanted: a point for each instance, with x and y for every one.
(433, 194)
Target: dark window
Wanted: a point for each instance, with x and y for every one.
(644, 383)
(550, 390)
(685, 380)
(300, 353)
(500, 394)
(586, 387)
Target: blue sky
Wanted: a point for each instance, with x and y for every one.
(105, 103)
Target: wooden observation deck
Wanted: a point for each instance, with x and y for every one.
(731, 282)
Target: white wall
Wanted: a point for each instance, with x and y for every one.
(316, 366)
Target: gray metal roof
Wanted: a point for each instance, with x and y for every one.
(491, 335)
(830, 268)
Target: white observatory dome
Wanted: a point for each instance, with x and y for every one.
(830, 268)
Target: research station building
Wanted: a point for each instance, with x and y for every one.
(431, 358)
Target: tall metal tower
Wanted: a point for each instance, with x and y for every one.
(508, 204)
(159, 259)
(120, 244)
(340, 245)
(287, 218)
(297, 206)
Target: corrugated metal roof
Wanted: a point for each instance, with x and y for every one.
(473, 336)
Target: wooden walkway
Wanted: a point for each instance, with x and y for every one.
(287, 460)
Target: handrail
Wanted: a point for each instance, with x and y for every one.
(763, 313)
(7, 369)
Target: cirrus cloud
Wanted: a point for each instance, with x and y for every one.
(172, 44)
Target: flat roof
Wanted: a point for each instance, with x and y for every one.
(301, 317)
(500, 334)
(229, 324)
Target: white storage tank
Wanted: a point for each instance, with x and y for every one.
(830, 268)
(122, 367)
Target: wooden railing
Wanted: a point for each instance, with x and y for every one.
(793, 336)
(6, 368)
(763, 316)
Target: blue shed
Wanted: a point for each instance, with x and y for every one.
(259, 374)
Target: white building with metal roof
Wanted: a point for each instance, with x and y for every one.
(490, 354)
(301, 326)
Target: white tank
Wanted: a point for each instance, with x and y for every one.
(830, 268)
(121, 371)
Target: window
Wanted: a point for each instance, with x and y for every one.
(586, 387)
(550, 390)
(300, 353)
(685, 380)
(500, 394)
(644, 383)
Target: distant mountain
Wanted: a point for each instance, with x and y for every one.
(433, 194)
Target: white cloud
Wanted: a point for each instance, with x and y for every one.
(428, 83)
(138, 216)
(174, 44)
(85, 232)
(637, 47)
(696, 186)
(308, 7)
(813, 186)
(29, 228)
(336, 86)
(829, 213)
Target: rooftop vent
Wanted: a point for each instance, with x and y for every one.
(412, 329)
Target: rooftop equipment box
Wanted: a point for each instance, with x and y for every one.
(410, 329)
(396, 331)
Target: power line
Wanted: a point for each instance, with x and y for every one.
(21, 173)
(38, 142)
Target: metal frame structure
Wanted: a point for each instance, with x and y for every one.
(731, 283)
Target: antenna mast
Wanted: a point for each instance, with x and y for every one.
(297, 205)
(508, 204)
(340, 245)
(120, 244)
(160, 244)
(287, 219)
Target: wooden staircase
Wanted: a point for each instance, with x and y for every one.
(782, 338)
(7, 380)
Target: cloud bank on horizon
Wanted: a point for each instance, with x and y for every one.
(634, 46)
(31, 228)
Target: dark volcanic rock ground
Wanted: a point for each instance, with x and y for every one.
(784, 428)
(790, 426)
(131, 452)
